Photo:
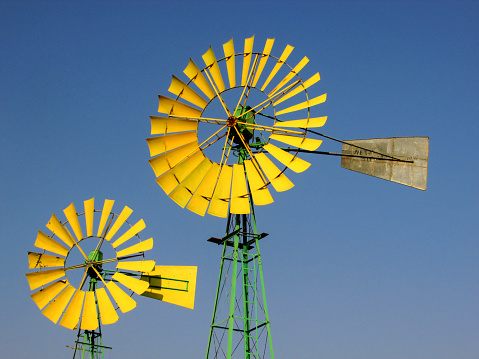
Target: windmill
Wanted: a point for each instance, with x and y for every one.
(222, 143)
(84, 280)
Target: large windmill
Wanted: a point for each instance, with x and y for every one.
(223, 142)
(83, 271)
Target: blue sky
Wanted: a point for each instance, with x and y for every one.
(355, 267)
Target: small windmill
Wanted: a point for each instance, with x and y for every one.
(87, 306)
(221, 146)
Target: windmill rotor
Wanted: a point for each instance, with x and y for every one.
(84, 289)
(181, 158)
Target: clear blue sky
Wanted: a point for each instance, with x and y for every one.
(355, 267)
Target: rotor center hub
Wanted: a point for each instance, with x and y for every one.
(231, 121)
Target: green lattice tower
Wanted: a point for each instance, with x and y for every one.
(91, 347)
(240, 326)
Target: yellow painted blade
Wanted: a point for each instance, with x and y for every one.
(184, 191)
(173, 107)
(229, 50)
(167, 125)
(89, 210)
(123, 300)
(305, 123)
(220, 201)
(288, 77)
(210, 62)
(310, 82)
(37, 260)
(295, 163)
(72, 314)
(248, 50)
(284, 56)
(125, 213)
(105, 214)
(107, 311)
(309, 144)
(264, 57)
(259, 191)
(194, 74)
(56, 227)
(201, 198)
(136, 285)
(136, 248)
(170, 159)
(55, 309)
(89, 319)
(71, 214)
(45, 295)
(138, 266)
(133, 231)
(162, 144)
(37, 279)
(177, 174)
(277, 178)
(309, 103)
(172, 284)
(49, 244)
(179, 88)
(239, 191)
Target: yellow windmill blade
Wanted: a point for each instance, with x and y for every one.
(301, 106)
(264, 58)
(89, 214)
(56, 307)
(170, 159)
(49, 244)
(89, 320)
(220, 199)
(180, 89)
(303, 123)
(171, 179)
(184, 191)
(61, 232)
(229, 50)
(105, 214)
(277, 178)
(44, 296)
(133, 231)
(39, 260)
(73, 312)
(138, 266)
(123, 300)
(37, 279)
(284, 56)
(136, 248)
(173, 107)
(239, 191)
(125, 213)
(295, 163)
(302, 87)
(107, 311)
(172, 284)
(134, 284)
(71, 214)
(212, 65)
(309, 144)
(195, 155)
(248, 50)
(201, 198)
(162, 144)
(168, 125)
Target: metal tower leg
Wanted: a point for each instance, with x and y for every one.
(240, 314)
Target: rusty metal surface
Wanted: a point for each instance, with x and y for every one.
(414, 149)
